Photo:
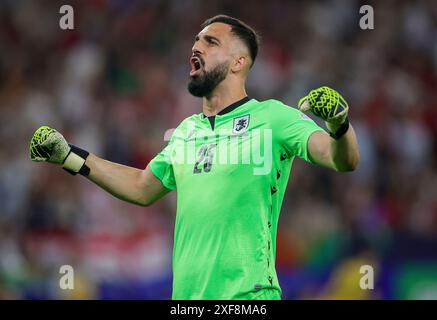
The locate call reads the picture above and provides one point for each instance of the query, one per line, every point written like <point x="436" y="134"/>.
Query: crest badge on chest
<point x="240" y="124"/>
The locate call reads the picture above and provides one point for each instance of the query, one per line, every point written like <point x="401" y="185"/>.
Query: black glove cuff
<point x="341" y="130"/>
<point x="84" y="170"/>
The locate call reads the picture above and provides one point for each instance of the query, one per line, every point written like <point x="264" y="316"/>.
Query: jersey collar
<point x="231" y="107"/>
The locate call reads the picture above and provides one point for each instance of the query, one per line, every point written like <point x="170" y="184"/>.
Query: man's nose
<point x="196" y="49"/>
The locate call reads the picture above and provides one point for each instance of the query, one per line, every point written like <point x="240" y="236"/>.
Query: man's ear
<point x="240" y="64"/>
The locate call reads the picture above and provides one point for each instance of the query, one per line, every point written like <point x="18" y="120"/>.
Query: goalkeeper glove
<point x="49" y="145"/>
<point x="329" y="105"/>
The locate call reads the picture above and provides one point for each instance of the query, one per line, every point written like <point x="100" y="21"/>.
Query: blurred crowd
<point x="117" y="82"/>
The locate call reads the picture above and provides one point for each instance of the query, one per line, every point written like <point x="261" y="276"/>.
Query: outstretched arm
<point x="126" y="183"/>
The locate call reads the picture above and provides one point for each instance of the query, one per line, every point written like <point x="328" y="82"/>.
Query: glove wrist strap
<point x="341" y="130"/>
<point x="74" y="163"/>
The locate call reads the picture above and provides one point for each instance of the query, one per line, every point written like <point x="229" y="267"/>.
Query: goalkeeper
<point x="227" y="212"/>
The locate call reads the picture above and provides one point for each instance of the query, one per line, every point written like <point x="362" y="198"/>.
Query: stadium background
<point x="117" y="82"/>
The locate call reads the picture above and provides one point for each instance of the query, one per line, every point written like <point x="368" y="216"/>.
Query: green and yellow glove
<point x="49" y="145"/>
<point x="330" y="106"/>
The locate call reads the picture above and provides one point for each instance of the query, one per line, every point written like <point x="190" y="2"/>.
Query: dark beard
<point x="205" y="83"/>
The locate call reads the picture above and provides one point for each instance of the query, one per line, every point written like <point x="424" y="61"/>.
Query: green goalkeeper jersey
<point x="230" y="172"/>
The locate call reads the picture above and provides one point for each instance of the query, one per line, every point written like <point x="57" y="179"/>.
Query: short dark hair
<point x="249" y="36"/>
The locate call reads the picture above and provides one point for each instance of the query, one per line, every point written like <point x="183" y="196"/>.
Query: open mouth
<point x="196" y="66"/>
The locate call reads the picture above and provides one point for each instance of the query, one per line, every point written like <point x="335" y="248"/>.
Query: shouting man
<point x="229" y="164"/>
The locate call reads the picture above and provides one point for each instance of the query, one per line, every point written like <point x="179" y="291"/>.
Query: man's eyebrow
<point x="208" y="37"/>
<point x="212" y="38"/>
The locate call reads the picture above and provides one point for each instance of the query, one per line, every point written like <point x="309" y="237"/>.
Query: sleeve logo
<point x="303" y="116"/>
